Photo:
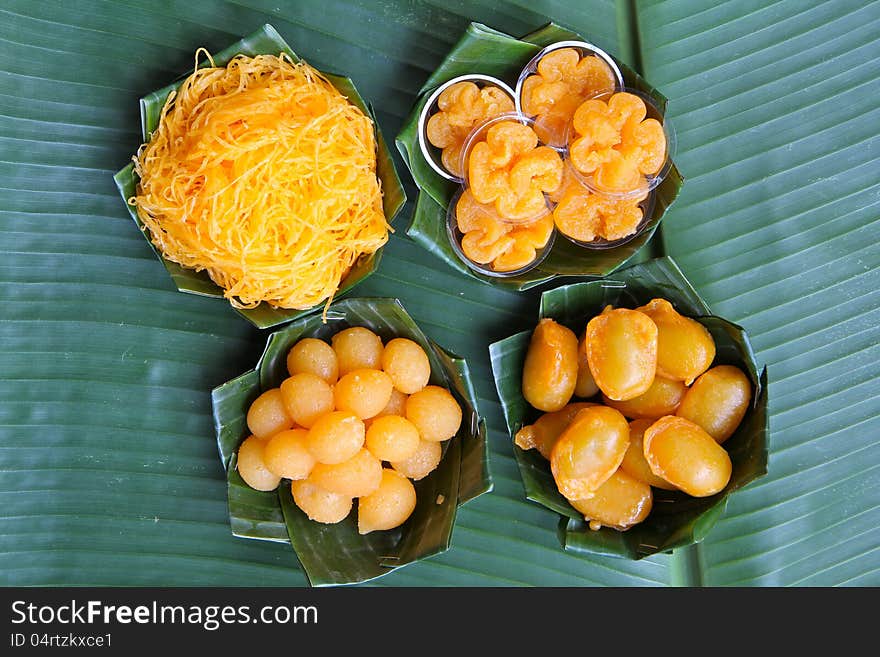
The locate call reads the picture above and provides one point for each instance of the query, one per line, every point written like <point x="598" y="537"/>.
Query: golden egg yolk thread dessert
<point x="262" y="174"/>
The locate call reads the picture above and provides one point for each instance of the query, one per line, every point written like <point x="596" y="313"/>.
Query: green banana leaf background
<point x="108" y="467"/>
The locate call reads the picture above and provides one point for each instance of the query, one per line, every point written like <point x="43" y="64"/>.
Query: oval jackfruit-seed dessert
<point x="545" y="431"/>
<point x="634" y="463"/>
<point x="589" y="451"/>
<point x="621" y="502"/>
<point x="622" y="352"/>
<point x="550" y="371"/>
<point x="680" y="452"/>
<point x="685" y="348"/>
<point x="717" y="401"/>
<point x="661" y="398"/>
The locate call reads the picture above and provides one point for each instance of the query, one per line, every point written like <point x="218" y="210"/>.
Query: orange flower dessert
<point x="462" y="107"/>
<point x="584" y="216"/>
<point x="563" y="81"/>
<point x="501" y="246"/>
<point x="507" y="168"/>
<point x="615" y="144"/>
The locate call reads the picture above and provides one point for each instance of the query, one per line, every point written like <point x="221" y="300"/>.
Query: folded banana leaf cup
<point x="265" y="41"/>
<point x="486" y="51"/>
<point x="676" y="519"/>
<point x="337" y="554"/>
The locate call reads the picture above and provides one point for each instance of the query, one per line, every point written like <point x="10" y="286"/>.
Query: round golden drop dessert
<point x="267" y="414"/>
<point x="287" y="454"/>
<point x="318" y="504"/>
<point x="262" y="174"/>
<point x="434" y="412"/>
<point x="306" y="397"/>
<point x="422" y="462"/>
<point x="407" y="364"/>
<point x="252" y="465"/>
<point x="336" y="437"/>
<point x="461" y="107"/>
<point x="389" y="505"/>
<point x="357" y="348"/>
<point x="363" y="392"/>
<point x="313" y="356"/>
<point x="358" y="476"/>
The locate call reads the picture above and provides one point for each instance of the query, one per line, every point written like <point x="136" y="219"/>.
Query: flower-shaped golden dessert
<point x="463" y="106"/>
<point x="508" y="168"/>
<point x="585" y="216"/>
<point x="615" y="144"/>
<point x="500" y="245"/>
<point x="563" y="81"/>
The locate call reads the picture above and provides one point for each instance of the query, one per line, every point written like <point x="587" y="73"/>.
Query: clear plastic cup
<point x="586" y="50"/>
<point x="431" y="153"/>
<point x="600" y="243"/>
<point x="455" y="237"/>
<point x="647" y="183"/>
<point x="477" y="135"/>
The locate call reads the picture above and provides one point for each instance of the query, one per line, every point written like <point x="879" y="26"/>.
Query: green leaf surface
<point x="338" y="554"/>
<point x="774" y="109"/>
<point x="108" y="461"/>
<point x="676" y="519"/>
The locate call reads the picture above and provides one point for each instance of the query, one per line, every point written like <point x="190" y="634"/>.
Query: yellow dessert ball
<point x="315" y="357"/>
<point x="358" y="476"/>
<point x="318" y="504"/>
<point x="395" y="406"/>
<point x="435" y="413"/>
<point x="252" y="466"/>
<point x="422" y="462"/>
<point x="392" y="438"/>
<point x="287" y="454"/>
<point x="267" y="414"/>
<point x="364" y="392"/>
<point x="389" y="505"/>
<point x="306" y="397"/>
<point x="336" y="437"/>
<point x="357" y="348"/>
<point x="407" y="364"/>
